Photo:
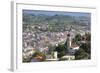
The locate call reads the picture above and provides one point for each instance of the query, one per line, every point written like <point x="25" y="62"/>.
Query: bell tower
<point x="69" y="38"/>
<point x="68" y="41"/>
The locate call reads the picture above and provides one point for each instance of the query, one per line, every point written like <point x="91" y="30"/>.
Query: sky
<point x="36" y="12"/>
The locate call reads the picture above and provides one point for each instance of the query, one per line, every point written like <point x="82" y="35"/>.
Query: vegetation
<point x="81" y="54"/>
<point x="85" y="47"/>
<point x="39" y="56"/>
<point x="61" y="49"/>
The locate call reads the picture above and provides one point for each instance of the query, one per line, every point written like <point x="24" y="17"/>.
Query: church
<point x="72" y="48"/>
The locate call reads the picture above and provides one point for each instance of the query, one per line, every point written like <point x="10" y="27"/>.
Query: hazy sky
<point x="36" y="12"/>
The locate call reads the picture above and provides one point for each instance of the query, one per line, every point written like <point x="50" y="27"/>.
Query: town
<point x="52" y="41"/>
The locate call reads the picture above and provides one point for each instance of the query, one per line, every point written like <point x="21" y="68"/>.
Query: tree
<point x="81" y="54"/>
<point x="61" y="49"/>
<point x="38" y="56"/>
<point x="86" y="47"/>
<point x="88" y="36"/>
<point x="78" y="37"/>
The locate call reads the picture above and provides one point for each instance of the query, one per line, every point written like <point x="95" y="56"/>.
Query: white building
<point x="68" y="57"/>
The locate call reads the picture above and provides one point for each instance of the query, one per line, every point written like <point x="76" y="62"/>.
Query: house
<point x="52" y="57"/>
<point x="73" y="49"/>
<point x="68" y="57"/>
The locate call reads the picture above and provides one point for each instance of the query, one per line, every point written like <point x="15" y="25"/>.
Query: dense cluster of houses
<point x="40" y="40"/>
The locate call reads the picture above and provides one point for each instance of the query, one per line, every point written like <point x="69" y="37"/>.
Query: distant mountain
<point x="57" y="21"/>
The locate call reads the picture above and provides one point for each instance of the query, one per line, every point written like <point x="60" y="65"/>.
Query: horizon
<point x="52" y="13"/>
